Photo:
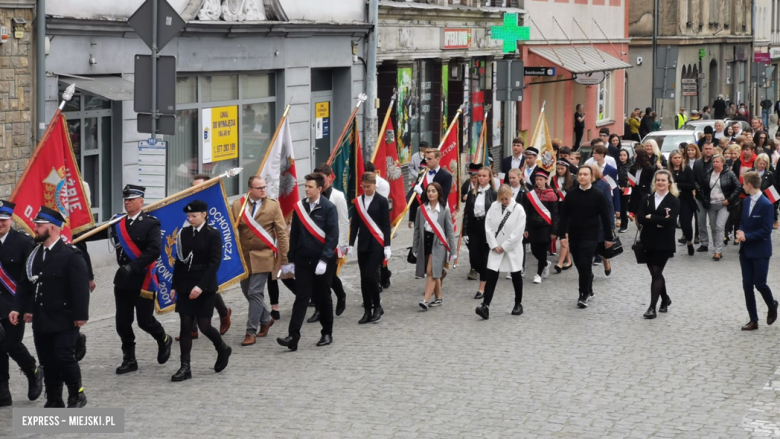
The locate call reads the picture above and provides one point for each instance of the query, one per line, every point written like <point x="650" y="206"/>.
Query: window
<point x="252" y="96"/>
<point x="603" y="100"/>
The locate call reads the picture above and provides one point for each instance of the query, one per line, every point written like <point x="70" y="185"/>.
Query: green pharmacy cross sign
<point x="510" y="33"/>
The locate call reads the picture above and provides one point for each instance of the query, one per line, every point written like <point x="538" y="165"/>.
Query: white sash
<point x="309" y="223"/>
<point x="540" y="209"/>
<point x="257" y="229"/>
<point x="611" y="181"/>
<point x="631" y="179"/>
<point x="437" y="230"/>
<point x="367" y="220"/>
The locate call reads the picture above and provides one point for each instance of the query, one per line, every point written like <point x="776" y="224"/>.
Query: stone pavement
<point x="556" y="371"/>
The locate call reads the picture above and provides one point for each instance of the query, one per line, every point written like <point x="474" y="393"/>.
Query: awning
<point x="569" y="59"/>
<point x="112" y="88"/>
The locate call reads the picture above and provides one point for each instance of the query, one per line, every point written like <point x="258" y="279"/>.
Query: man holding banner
<point x="435" y="174"/>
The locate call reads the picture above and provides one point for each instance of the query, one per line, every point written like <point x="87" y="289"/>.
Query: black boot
<point x="378" y="311"/>
<point x="34" y="381"/>
<point x="483" y="311"/>
<point x="76" y="397"/>
<point x="164" y="349"/>
<point x="314" y="317"/>
<point x="81" y="347"/>
<point x="366" y="315"/>
<point x="184" y="372"/>
<point x="54" y="398"/>
<point x="5" y="395"/>
<point x="223" y="353"/>
<point x="517" y="310"/>
<point x="128" y="360"/>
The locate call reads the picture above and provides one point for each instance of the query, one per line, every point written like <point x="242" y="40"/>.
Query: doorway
<point x="713" y="81"/>
<point x="321" y="115"/>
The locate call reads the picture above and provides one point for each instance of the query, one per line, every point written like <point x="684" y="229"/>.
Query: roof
<point x="571" y="59"/>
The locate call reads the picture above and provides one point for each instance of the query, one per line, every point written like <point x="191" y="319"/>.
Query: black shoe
<point x="665" y="306"/>
<point x="223" y="354"/>
<point x="128" y="361"/>
<point x="582" y="302"/>
<point x="558" y="269"/>
<point x="682" y="241"/>
<point x="5" y="395"/>
<point x="378" y="311"/>
<point x="703" y="249"/>
<point x="314" y="317"/>
<point x="311" y="304"/>
<point x="690" y="249"/>
<point x="366" y="316"/>
<point x="288" y="342"/>
<point x="622" y="230"/>
<point x="650" y="314"/>
<point x="81" y="347"/>
<point x="483" y="311"/>
<point x="184" y="372"/>
<point x="76" y="397"/>
<point x="275" y="315"/>
<point x="325" y="340"/>
<point x="54" y="398"/>
<point x="518" y="309"/>
<point x="341" y="305"/>
<point x="34" y="382"/>
<point x="164" y="349"/>
<point x="478" y="296"/>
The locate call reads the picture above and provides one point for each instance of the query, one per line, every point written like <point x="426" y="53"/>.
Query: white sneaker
<point x="537" y="279"/>
<point x="509" y="276"/>
<point x="424" y="305"/>
<point x="546" y="271"/>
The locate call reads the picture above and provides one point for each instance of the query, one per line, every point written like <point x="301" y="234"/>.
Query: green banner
<point x="347" y="165"/>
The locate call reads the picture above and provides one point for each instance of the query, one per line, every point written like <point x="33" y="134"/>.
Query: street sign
<point x="151" y="168"/>
<point x="592" y="78"/>
<point x="539" y="71"/>
<point x="166" y="84"/>
<point x="689" y="87"/>
<point x="763" y="57"/>
<point x="166" y="124"/>
<point x="510" y="80"/>
<point x="169" y="23"/>
<point x="510" y="33"/>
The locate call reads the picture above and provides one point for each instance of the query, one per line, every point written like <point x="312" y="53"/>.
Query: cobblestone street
<point x="555" y="371"/>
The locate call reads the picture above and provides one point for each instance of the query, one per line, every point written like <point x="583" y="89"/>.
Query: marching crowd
<point x="573" y="210"/>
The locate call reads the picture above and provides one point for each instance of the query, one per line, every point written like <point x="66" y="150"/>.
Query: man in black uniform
<point x="314" y="236"/>
<point x="14" y="249"/>
<point x="54" y="295"/>
<point x="136" y="233"/>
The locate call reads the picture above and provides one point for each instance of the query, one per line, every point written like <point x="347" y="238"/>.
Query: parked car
<point x="670" y="140"/>
<point x="586" y="151"/>
<point x="698" y="125"/>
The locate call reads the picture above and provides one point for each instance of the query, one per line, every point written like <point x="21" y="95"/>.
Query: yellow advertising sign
<point x="322" y="109"/>
<point x="220" y="133"/>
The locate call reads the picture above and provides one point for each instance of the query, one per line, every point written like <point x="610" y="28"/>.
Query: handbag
<point x="615" y="250"/>
<point x="639" y="249"/>
<point x="411" y="258"/>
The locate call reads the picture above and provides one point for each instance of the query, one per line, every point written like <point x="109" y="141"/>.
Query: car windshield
<point x="697" y="126"/>
<point x="670" y="142"/>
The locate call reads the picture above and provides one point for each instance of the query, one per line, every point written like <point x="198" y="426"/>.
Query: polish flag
<point x="631" y="179"/>
<point x="627" y="191"/>
<point x="610" y="181"/>
<point x="279" y="171"/>
<point x="772" y="194"/>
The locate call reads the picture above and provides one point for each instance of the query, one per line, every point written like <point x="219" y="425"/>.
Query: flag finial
<point x="67" y="95"/>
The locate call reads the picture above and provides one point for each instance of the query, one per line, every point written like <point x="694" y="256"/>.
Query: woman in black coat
<point x="194" y="285"/>
<point x="686" y="184"/>
<point x="657" y="215"/>
<point x="477" y="205"/>
<point x="624" y="166"/>
<point x="642" y="175"/>
<point x="540" y="230"/>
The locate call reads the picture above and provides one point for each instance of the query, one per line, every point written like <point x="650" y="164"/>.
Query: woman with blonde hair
<point x="763" y="166"/>
<point x="719" y="128"/>
<point x="504" y="229"/>
<point x="654" y="154"/>
<point x="477" y="204"/>
<point x="721" y="189"/>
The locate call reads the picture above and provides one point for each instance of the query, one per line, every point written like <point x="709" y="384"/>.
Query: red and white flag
<point x="772" y="194"/>
<point x="449" y="160"/>
<point x="52" y="179"/>
<point x="279" y="171"/>
<point x="389" y="168"/>
<point x="631" y="179"/>
<point x="610" y="181"/>
<point x="626" y="191"/>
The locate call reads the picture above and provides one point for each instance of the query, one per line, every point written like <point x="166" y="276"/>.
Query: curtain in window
<point x="182" y="158"/>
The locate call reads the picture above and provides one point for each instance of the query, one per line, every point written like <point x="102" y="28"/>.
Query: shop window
<point x="257" y="86"/>
<point x="186" y="90"/>
<point x="219" y="88"/>
<point x="182" y="160"/>
<point x="604" y="100"/>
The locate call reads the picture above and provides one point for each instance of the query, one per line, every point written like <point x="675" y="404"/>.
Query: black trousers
<point x="57" y="353"/>
<point x="578" y="133"/>
<point x="624" y="211"/>
<point x="539" y="250"/>
<point x="492" y="280"/>
<point x="582" y="253"/>
<point x="309" y="286"/>
<point x="273" y="288"/>
<point x="128" y="301"/>
<point x="686" y="220"/>
<point x="336" y="285"/>
<point x="369" y="263"/>
<point x="13" y="347"/>
<point x="478" y="248"/>
<point x="754" y="274"/>
<point x="219" y="305"/>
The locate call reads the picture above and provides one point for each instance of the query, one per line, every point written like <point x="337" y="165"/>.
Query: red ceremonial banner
<point x="388" y="167"/>
<point x="52" y="179"/>
<point x="449" y="161"/>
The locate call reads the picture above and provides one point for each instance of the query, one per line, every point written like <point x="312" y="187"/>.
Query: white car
<point x="698" y="125"/>
<point x="670" y="140"/>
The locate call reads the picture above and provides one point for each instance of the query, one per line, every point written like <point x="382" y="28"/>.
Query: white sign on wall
<point x="151" y="169"/>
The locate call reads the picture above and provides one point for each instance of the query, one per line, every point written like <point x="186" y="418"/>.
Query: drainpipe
<point x="370" y="108"/>
<point x="40" y="69"/>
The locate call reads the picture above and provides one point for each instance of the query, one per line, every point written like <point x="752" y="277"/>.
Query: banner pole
<point x="379" y="137"/>
<point x="360" y="99"/>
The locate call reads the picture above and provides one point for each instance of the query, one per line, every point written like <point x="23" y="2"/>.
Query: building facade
<point x="232" y="64"/>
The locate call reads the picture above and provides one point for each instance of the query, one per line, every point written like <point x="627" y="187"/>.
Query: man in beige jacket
<point x="264" y="240"/>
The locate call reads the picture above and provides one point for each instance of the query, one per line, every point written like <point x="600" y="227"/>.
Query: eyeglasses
<point x="259" y="188"/>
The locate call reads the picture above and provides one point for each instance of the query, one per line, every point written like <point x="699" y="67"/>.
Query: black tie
<point x="45" y="252"/>
<point x="254" y="206"/>
<point x="194" y="232"/>
<point x="479" y="192"/>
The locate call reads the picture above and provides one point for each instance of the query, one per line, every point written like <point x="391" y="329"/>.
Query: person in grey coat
<point x="434" y="242"/>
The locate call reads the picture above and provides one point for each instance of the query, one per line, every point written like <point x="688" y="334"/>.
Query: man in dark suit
<point x="646" y="124"/>
<point x="516" y="160"/>
<point x="15" y="247"/>
<point x="755" y="237"/>
<point x="314" y="235"/>
<point x="54" y="296"/>
<point x="144" y="232"/>
<point x="435" y="174"/>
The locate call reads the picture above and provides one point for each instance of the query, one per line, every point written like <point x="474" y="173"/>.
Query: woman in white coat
<point x="504" y="227"/>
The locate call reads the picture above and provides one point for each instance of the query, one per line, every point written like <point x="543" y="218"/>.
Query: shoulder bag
<point x="639" y="248"/>
<point x="615" y="250"/>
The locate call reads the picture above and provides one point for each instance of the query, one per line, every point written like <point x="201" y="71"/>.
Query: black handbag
<point x="411" y="258"/>
<point x="615" y="250"/>
<point x="639" y="249"/>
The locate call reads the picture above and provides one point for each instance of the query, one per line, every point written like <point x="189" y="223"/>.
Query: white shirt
<point x="132" y="218"/>
<point x="383" y="187"/>
<point x="517" y="162"/>
<point x="479" y="203"/>
<point x="2" y="240"/>
<point x="43" y="257"/>
<point x="753" y="201"/>
<point x="515" y="191"/>
<point x="659" y="198"/>
<point x="313" y="204"/>
<point x="608" y="160"/>
<point x="429" y="177"/>
<point x="433" y="214"/>
<point x="529" y="172"/>
<point x="197" y="229"/>
<point x="716" y="193"/>
<point x="691" y="163"/>
<point x="367" y="199"/>
<point x="258" y="204"/>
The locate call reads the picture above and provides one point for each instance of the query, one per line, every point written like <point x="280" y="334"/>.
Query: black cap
<point x="196" y="206"/>
<point x="50" y="216"/>
<point x="563" y="162"/>
<point x="132" y="191"/>
<point x="532" y="150"/>
<point x="540" y="172"/>
<point x="6" y="209"/>
<point x="474" y="168"/>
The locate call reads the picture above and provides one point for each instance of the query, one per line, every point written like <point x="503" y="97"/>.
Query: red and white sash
<point x="7" y="281"/>
<point x="558" y="189"/>
<point x="437" y="230"/>
<point x="257" y="229"/>
<point x="309" y="223"/>
<point x="631" y="179"/>
<point x="539" y="207"/>
<point x="368" y="221"/>
<point x="610" y="181"/>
